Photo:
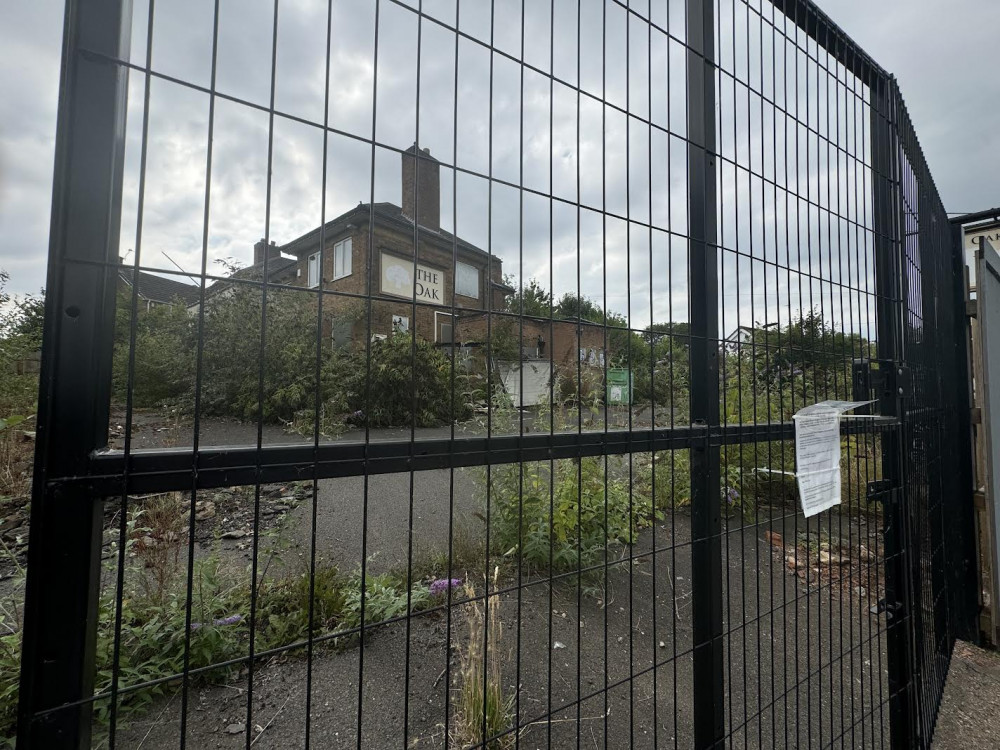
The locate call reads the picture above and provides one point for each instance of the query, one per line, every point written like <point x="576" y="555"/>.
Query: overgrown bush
<point x="232" y="359"/>
<point x="579" y="387"/>
<point x="154" y="614"/>
<point x="163" y="365"/>
<point x="564" y="521"/>
<point x="666" y="477"/>
<point x="409" y="381"/>
<point x="21" y="321"/>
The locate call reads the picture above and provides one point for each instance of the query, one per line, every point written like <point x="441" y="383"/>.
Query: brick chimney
<point x="422" y="187"/>
<point x="258" y="251"/>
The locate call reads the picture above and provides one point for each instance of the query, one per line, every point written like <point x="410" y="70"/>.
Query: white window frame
<point x="342" y="253"/>
<point x="462" y="292"/>
<point x="313" y="270"/>
<point x="400" y="324"/>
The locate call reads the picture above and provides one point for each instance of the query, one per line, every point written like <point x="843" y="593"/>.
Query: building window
<point x="443" y="327"/>
<point x="466" y="280"/>
<point x="342" y="259"/>
<point x="400" y="324"/>
<point x="313" y="267"/>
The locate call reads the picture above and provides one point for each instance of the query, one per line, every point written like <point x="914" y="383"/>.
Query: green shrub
<point x="283" y="607"/>
<point x="232" y="358"/>
<point x="20" y="340"/>
<point x="153" y="636"/>
<point x="671" y="487"/>
<point x="164" y="362"/>
<point x="586" y="513"/>
<point x="385" y="599"/>
<point x="410" y="381"/>
<point x="10" y="654"/>
<point x="154" y="612"/>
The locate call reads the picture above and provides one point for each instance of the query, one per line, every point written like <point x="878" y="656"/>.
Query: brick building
<point x="451" y="293"/>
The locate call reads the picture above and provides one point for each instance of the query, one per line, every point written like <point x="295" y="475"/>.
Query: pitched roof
<point x="386" y="214"/>
<point x="160" y="288"/>
<point x="277" y="270"/>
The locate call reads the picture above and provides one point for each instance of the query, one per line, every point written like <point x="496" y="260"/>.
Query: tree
<point x="163" y="365"/>
<point x="21" y="321"/>
<point x="532" y="300"/>
<point x="234" y="358"/>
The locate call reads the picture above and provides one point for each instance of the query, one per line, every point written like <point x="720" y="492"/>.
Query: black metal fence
<point x="491" y="445"/>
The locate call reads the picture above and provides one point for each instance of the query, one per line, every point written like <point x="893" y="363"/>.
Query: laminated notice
<point x="817" y="454"/>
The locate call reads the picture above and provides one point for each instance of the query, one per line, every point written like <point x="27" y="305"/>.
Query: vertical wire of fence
<point x="421" y="374"/>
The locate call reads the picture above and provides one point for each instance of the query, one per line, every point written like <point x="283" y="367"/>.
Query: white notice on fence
<point x="817" y="454"/>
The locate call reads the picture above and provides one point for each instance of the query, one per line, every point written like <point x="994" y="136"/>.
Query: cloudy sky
<point x="631" y="166"/>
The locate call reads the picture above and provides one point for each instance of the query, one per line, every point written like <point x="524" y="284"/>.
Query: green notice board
<point x="619" y="386"/>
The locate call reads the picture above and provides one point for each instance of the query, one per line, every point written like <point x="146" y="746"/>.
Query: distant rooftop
<point x="160" y="289"/>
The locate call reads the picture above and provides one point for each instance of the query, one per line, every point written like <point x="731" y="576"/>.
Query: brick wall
<point x="436" y="252"/>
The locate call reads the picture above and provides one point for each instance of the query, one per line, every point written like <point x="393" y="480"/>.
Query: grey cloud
<point x="622" y="166"/>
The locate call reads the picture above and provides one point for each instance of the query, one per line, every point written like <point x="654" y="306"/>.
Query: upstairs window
<point x="466" y="280"/>
<point x="342" y="259"/>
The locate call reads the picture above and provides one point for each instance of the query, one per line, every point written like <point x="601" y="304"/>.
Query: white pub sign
<point x="397" y="279"/>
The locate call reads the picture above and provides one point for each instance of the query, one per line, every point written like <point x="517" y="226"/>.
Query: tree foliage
<point x="20" y="341"/>
<point x="407" y="380"/>
<point x="162" y="368"/>
<point x="531" y="300"/>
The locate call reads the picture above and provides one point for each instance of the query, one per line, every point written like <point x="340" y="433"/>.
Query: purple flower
<point x="441" y="585"/>
<point x="732" y="495"/>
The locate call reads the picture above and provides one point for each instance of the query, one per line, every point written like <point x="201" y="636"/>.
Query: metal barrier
<point x="378" y="489"/>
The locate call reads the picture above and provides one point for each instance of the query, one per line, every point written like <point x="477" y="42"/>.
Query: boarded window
<point x="466" y="280"/>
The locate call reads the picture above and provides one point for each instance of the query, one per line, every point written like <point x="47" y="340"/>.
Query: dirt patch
<point x="823" y="557"/>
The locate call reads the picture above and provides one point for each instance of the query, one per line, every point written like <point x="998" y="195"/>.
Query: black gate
<point x="492" y="443"/>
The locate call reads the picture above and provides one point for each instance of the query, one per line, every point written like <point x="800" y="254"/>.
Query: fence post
<point x="963" y="569"/>
<point x="706" y="518"/>
<point x="61" y="600"/>
<point x="889" y="238"/>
